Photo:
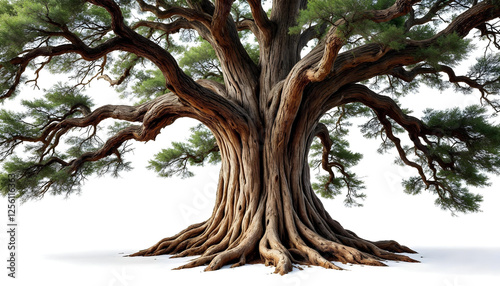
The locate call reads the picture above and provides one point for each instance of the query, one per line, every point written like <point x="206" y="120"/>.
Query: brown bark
<point x="264" y="118"/>
<point x="270" y="215"/>
<point x="266" y="209"/>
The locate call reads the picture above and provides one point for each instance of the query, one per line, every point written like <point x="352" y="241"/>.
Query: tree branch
<point x="220" y="19"/>
<point x="204" y="100"/>
<point x="248" y="24"/>
<point x="186" y="13"/>
<point x="154" y="116"/>
<point x="336" y="38"/>
<point x="412" y="21"/>
<point x="472" y="18"/>
<point x="311" y="69"/>
<point x="491" y="32"/>
<point x="313" y="32"/>
<point x="123" y="76"/>
<point x="410" y="75"/>
<point x="324" y="135"/>
<point x="87" y="53"/>
<point x="370" y="60"/>
<point x="170" y="28"/>
<point x="437" y="159"/>
<point x="331" y="185"/>
<point x="263" y="23"/>
<point x="58" y="127"/>
<point x="398" y="9"/>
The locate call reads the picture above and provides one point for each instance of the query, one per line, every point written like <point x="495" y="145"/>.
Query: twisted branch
<point x="261" y="20"/>
<point x="385" y="108"/>
<point x="410" y="75"/>
<point x="336" y="39"/>
<point x="186" y="13"/>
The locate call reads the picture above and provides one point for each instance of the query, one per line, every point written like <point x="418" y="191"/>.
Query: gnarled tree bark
<point x="266" y="209"/>
<point x="264" y="118"/>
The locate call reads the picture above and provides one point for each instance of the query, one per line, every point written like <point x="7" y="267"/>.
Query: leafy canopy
<point x="36" y="170"/>
<point x="462" y="147"/>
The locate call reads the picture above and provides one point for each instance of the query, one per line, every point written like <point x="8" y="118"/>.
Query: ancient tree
<point x="273" y="86"/>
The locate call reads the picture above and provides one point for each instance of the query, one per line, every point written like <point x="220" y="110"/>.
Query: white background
<point x="82" y="240"/>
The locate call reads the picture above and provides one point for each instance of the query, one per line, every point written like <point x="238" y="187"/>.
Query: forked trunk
<point x="266" y="211"/>
<point x="264" y="115"/>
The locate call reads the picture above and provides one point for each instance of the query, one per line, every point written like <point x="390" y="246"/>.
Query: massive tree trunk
<point x="264" y="117"/>
<point x="266" y="210"/>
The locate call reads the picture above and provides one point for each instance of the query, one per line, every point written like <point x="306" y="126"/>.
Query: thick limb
<point x="262" y="22"/>
<point x="439" y="151"/>
<point x="63" y="170"/>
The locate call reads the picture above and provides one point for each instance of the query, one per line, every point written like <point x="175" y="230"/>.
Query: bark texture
<point x="264" y="117"/>
<point x="266" y="209"/>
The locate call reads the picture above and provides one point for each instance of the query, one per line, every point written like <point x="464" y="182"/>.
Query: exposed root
<point x="378" y="252"/>
<point x="393" y="246"/>
<point x="314" y="258"/>
<point x="309" y="248"/>
<point x="196" y="262"/>
<point x="281" y="246"/>
<point x="274" y="254"/>
<point x="222" y="259"/>
<point x="218" y="260"/>
<point x="242" y="262"/>
<point x="167" y="245"/>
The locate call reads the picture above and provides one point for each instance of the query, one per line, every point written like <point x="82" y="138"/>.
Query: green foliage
<point x="34" y="178"/>
<point x="25" y="25"/>
<point x="253" y="51"/>
<point x="479" y="146"/>
<point x="58" y="103"/>
<point x="340" y="159"/>
<point x="448" y="50"/>
<point x="21" y="21"/>
<point x="38" y="168"/>
<point x="11" y="125"/>
<point x="200" y="62"/>
<point x="328" y="11"/>
<point x="467" y="148"/>
<point x="28" y="23"/>
<point x="486" y="71"/>
<point x="59" y="100"/>
<point x="149" y="84"/>
<point x="201" y="148"/>
<point x="319" y="12"/>
<point x="421" y="32"/>
<point x="390" y="35"/>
